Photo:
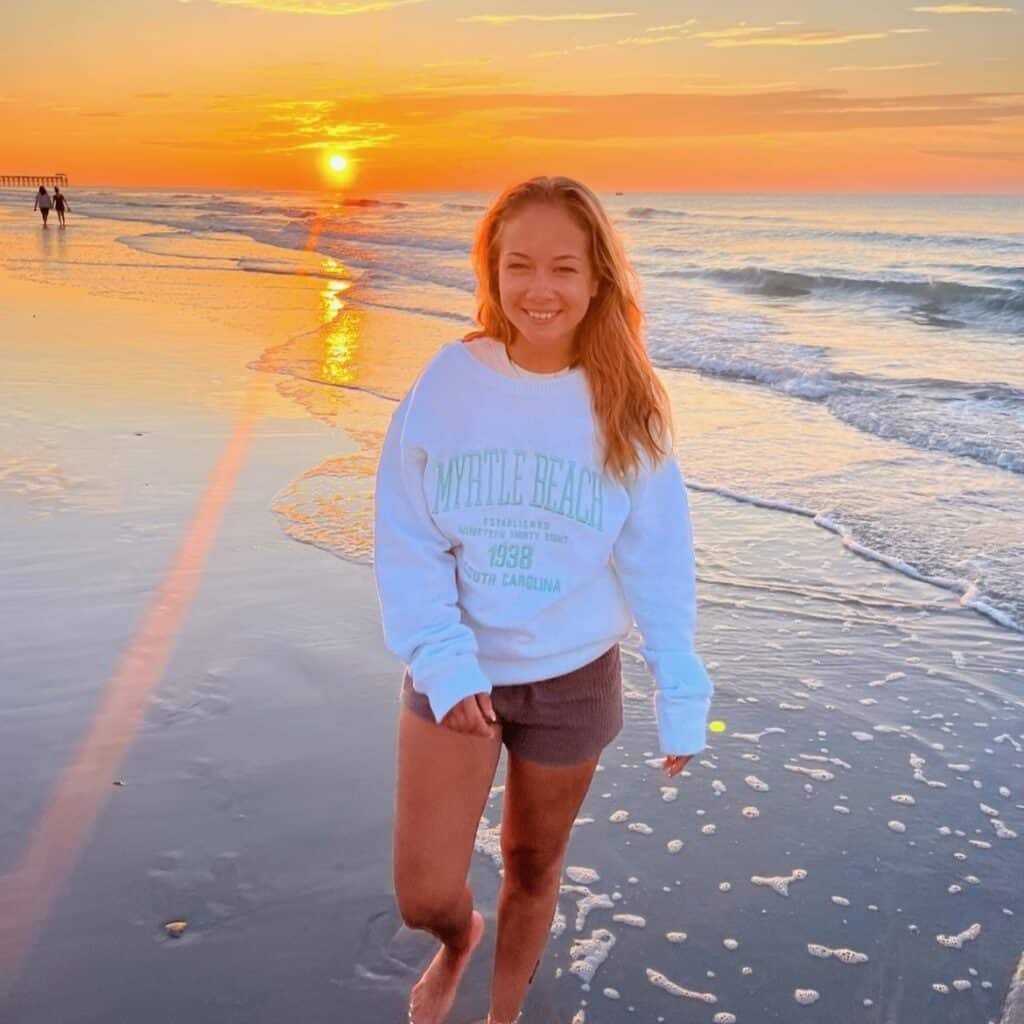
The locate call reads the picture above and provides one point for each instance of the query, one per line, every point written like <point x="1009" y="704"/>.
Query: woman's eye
<point x="567" y="270"/>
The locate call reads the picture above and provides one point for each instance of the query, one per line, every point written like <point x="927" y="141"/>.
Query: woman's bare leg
<point x="541" y="803"/>
<point x="444" y="779"/>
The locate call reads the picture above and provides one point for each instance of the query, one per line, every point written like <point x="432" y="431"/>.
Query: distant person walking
<point x="43" y="203"/>
<point x="60" y="203"/>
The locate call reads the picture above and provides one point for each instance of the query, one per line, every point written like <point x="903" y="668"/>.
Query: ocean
<point x="868" y="351"/>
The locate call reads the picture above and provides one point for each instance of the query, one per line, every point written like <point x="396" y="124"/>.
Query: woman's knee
<point x="433" y="911"/>
<point x="533" y="870"/>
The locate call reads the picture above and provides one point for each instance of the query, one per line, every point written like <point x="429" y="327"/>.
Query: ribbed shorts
<point x="563" y="720"/>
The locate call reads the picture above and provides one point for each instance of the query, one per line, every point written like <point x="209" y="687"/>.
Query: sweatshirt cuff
<point x="681" y="703"/>
<point x="446" y="684"/>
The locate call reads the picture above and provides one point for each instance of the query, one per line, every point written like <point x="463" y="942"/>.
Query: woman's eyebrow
<point x="565" y="256"/>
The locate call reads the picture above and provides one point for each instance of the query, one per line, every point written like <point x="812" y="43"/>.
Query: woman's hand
<point x="675" y="763"/>
<point x="473" y="715"/>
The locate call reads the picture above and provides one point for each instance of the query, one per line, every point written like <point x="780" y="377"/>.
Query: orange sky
<point x="432" y="94"/>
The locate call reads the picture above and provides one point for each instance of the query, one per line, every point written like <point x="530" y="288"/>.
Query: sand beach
<point x="197" y="715"/>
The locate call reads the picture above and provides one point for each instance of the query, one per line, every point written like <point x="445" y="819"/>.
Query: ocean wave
<point x="969" y="594"/>
<point x="440" y="314"/>
<point x="795" y="227"/>
<point x="990" y="432"/>
<point x="649" y="212"/>
<point x="939" y="303"/>
<point x="464" y="207"/>
<point x="375" y="202"/>
<point x="980" y="421"/>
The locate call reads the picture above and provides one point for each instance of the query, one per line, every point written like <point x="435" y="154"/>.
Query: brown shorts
<point x="564" y="720"/>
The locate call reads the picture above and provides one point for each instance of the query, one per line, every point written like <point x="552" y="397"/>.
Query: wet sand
<point x="256" y="796"/>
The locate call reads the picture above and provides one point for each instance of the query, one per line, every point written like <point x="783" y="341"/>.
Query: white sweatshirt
<point x="503" y="554"/>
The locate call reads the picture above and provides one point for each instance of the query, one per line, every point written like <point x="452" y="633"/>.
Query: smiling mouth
<point x="541" y="317"/>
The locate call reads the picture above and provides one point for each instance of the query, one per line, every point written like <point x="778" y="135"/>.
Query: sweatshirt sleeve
<point x="655" y="562"/>
<point x="415" y="571"/>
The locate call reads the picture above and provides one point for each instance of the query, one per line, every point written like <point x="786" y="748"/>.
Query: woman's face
<point x="545" y="277"/>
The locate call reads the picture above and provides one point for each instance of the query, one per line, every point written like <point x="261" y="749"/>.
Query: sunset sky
<point x="789" y="95"/>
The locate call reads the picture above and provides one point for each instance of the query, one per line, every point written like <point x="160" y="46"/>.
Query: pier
<point x="32" y="180"/>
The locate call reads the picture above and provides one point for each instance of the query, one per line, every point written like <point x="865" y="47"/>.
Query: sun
<point x="337" y="164"/>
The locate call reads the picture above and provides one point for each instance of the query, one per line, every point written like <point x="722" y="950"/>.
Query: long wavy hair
<point x="630" y="404"/>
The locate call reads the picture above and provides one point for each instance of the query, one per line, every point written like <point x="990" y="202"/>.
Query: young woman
<point x="60" y="204"/>
<point x="42" y="203"/>
<point x="528" y="509"/>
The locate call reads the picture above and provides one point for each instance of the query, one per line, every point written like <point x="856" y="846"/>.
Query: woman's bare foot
<point x="433" y="995"/>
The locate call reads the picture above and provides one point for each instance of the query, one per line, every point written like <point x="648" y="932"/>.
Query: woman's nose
<point x="541" y="283"/>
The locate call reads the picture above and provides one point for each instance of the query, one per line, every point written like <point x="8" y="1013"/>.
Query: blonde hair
<point x="629" y="402"/>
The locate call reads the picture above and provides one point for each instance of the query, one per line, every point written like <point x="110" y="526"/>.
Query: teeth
<point x="541" y="316"/>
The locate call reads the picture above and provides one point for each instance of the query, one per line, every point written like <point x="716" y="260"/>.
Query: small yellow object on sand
<point x="175" y="928"/>
<point x="717" y="726"/>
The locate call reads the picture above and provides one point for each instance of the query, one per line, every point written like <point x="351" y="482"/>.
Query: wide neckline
<point x="477" y="345"/>
<point x="534" y="384"/>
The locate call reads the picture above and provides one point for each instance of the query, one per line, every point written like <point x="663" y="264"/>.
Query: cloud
<point x="885" y="67"/>
<point x="672" y="28"/>
<point x="414" y="122"/>
<point x="1012" y="155"/>
<point x="475" y="62"/>
<point x="328" y="7"/>
<point x="732" y="33"/>
<point x="507" y="19"/>
<point x="963" y="9"/>
<point x="763" y="35"/>
<point x="701" y="112"/>
<point x="646" y="40"/>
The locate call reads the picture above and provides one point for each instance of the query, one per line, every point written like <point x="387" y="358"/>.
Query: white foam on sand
<point x="806" y="996"/>
<point x="591" y="901"/>
<point x="818" y="774"/>
<point x="957" y="941"/>
<point x="755" y="737"/>
<point x="588" y="954"/>
<point x="488" y="842"/>
<point x="659" y="979"/>
<point x="780" y="883"/>
<point x="641" y="827"/>
<point x="633" y="920"/>
<point x="846" y="956"/>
